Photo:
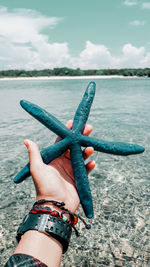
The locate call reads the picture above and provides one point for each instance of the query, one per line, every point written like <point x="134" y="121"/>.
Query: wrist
<point x="47" y="203"/>
<point x="39" y="245"/>
<point x="51" y="206"/>
<point x="50" y="225"/>
<point x="71" y="218"/>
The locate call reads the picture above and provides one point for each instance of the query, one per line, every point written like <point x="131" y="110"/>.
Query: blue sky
<point x="37" y="34"/>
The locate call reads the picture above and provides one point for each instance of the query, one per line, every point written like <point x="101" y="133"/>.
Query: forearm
<point x="43" y="247"/>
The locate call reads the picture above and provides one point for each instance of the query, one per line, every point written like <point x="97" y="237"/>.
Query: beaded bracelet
<point x="47" y="210"/>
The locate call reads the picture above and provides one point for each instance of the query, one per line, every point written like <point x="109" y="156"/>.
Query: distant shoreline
<point x="69" y="77"/>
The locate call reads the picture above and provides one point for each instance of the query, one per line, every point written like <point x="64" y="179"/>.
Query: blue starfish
<point x="73" y="140"/>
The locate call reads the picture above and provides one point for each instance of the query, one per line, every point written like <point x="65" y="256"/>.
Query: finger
<point x="58" y="139"/>
<point x="34" y="155"/>
<point x="87" y="129"/>
<point x="88" y="151"/>
<point x="67" y="154"/>
<point x="90" y="166"/>
<point x="69" y="124"/>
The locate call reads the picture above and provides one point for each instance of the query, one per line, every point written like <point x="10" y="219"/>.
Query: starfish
<point x="73" y="139"/>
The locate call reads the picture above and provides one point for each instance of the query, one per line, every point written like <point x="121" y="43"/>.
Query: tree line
<point x="74" y="72"/>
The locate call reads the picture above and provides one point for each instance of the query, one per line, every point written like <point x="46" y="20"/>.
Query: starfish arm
<point x="83" y="109"/>
<point x="48" y="154"/>
<point x="23" y="174"/>
<point x="81" y="180"/>
<point x="116" y="148"/>
<point x="45" y="118"/>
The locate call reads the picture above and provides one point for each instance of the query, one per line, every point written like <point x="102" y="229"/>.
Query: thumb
<point x="34" y="155"/>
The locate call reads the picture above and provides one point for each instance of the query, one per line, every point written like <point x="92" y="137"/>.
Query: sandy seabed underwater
<point x="120" y="185"/>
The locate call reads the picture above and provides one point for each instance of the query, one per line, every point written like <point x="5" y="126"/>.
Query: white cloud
<point x="137" y="23"/>
<point x="98" y="57"/>
<point x="130" y="3"/>
<point x="133" y="57"/>
<point x="23" y="25"/>
<point x="24" y="46"/>
<point x="94" y="56"/>
<point x="146" y="5"/>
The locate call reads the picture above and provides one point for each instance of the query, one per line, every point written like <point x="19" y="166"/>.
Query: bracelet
<point x="73" y="216"/>
<point x="45" y="223"/>
<point x="47" y="210"/>
<point x="51" y="222"/>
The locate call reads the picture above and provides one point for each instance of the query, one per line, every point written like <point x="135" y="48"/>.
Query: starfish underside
<point x="74" y="140"/>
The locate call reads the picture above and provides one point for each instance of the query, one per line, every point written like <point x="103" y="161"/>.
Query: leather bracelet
<point x="52" y="226"/>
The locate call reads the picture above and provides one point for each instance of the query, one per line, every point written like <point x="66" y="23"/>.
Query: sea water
<point x="120" y="185"/>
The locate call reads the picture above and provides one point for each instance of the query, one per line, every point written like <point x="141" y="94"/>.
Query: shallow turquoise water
<point x="120" y="185"/>
<point x="120" y="112"/>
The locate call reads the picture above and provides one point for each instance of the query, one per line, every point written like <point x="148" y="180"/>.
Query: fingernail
<point x="27" y="143"/>
<point x="93" y="163"/>
<point x="90" y="147"/>
<point x="89" y="126"/>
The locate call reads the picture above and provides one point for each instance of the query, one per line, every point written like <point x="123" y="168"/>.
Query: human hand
<point x="55" y="181"/>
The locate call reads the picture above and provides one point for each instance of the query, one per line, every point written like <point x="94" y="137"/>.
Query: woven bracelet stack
<point x="56" y="224"/>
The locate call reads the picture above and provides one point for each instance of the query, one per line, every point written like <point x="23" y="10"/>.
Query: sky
<point x="86" y="34"/>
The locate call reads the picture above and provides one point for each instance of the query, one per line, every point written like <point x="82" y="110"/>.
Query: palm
<point x="55" y="181"/>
